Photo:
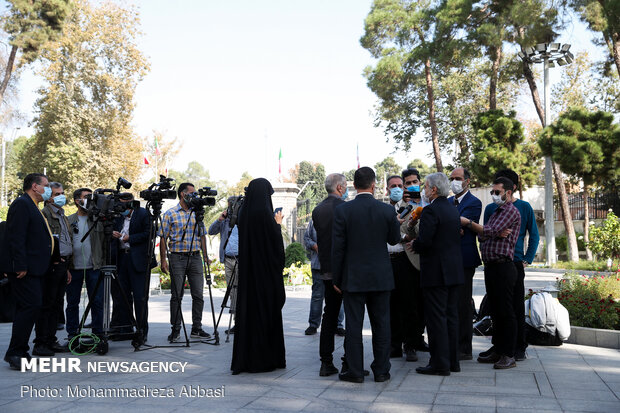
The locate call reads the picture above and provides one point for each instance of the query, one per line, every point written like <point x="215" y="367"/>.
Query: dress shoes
<point x="411" y="355"/>
<point x="59" y="348"/>
<point x="487" y="352"/>
<point x="505" y="362"/>
<point x="341" y="332"/>
<point x="42" y="350"/>
<point x="455" y="369"/>
<point x="60" y="326"/>
<point x="465" y="356"/>
<point x="432" y="371"/>
<point x="520" y="355"/>
<point x="345" y="368"/>
<point x="490" y="359"/>
<point x="310" y="331"/>
<point x="15" y="362"/>
<point x="423" y="347"/>
<point x="327" y="369"/>
<point x="382" y="377"/>
<point x="350" y="378"/>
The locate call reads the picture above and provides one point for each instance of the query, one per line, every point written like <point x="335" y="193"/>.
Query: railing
<point x="599" y="203"/>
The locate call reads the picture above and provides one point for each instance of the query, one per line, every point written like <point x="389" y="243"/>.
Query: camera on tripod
<point x="234" y="206"/>
<point x="204" y="196"/>
<point x="105" y="204"/>
<point x="158" y="191"/>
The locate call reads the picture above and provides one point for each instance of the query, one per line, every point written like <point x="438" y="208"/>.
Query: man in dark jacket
<point x="363" y="272"/>
<point x="131" y="241"/>
<point x="323" y="218"/>
<point x="26" y="252"/>
<point x="439" y="246"/>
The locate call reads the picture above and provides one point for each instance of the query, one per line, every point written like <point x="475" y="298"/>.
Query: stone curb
<point x="595" y="337"/>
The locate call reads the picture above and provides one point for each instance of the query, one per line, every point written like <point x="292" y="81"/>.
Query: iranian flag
<point x="280" y="162"/>
<point x="157" y="152"/>
<point x="146" y="161"/>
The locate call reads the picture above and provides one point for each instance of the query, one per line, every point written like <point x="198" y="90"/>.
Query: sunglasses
<point x="495" y="192"/>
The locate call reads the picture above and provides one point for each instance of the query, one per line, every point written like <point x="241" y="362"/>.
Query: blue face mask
<point x="345" y="195"/>
<point x="125" y="212"/>
<point x="414" y="188"/>
<point x="47" y="193"/>
<point x="396" y="194"/>
<point x="60" y="200"/>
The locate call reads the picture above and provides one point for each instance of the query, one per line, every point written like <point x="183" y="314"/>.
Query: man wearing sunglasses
<point x="498" y="238"/>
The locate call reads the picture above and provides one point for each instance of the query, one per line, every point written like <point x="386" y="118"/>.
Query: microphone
<point x="416" y="214"/>
<point x="405" y="211"/>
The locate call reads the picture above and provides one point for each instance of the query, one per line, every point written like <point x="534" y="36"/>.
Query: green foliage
<point x="583" y="265"/>
<point x="32" y="24"/>
<point x="584" y="144"/>
<point x="294" y="254"/>
<point x="3" y="212"/>
<point x="296" y="273"/>
<point x="561" y="243"/>
<point x="422" y="167"/>
<point x="218" y="276"/>
<point x="605" y="239"/>
<point x="83" y="128"/>
<point x="498" y="143"/>
<point x="591" y="301"/>
<point x="314" y="192"/>
<point x="386" y="168"/>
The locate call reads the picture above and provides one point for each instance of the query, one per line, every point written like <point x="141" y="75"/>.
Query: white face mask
<point x="456" y="186"/>
<point x="425" y="199"/>
<point x="497" y="199"/>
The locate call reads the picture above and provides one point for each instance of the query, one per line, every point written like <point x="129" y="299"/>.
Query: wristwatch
<point x="469" y="224"/>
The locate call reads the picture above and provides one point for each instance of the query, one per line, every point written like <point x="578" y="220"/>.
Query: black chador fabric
<point x="259" y="337"/>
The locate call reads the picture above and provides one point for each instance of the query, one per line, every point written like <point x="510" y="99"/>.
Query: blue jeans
<point x="316" y="302"/>
<point x="74" y="291"/>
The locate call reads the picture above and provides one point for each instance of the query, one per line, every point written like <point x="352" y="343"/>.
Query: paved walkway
<point x="566" y="378"/>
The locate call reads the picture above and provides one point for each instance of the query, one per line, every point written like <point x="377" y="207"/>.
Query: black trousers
<point x="404" y="323"/>
<point x="378" y="305"/>
<point x="519" y="303"/>
<point x="333" y="301"/>
<point x="466" y="312"/>
<point x="132" y="283"/>
<point x="28" y="293"/>
<point x="500" y="280"/>
<point x="54" y="287"/>
<point x="441" y="311"/>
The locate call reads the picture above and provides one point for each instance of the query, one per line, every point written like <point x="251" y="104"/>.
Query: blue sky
<point x="236" y="81"/>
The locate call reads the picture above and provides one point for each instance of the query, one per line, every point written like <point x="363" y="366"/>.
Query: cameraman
<point x="131" y="241"/>
<point x="229" y="251"/>
<point x="87" y="260"/>
<point x="57" y="277"/>
<point x="176" y="228"/>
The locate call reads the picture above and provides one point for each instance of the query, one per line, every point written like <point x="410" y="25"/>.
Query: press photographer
<point x="184" y="232"/>
<point x="130" y="242"/>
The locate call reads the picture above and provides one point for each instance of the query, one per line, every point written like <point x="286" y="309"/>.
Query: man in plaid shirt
<point x="177" y="226"/>
<point x="497" y="240"/>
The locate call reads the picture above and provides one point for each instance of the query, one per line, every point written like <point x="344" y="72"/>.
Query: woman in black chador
<point x="259" y="338"/>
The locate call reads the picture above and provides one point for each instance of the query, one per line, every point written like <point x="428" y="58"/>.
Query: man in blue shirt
<point x="229" y="253"/>
<point x="521" y="259"/>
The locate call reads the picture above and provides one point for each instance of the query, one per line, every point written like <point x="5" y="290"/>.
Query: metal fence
<point x="599" y="203"/>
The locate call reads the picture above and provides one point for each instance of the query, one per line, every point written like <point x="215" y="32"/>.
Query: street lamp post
<point x="548" y="54"/>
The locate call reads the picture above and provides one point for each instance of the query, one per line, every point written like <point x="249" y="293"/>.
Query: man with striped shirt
<point x="497" y="244"/>
<point x="186" y="241"/>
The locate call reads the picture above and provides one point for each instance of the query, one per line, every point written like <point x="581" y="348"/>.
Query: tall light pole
<point x="3" y="195"/>
<point x="548" y="54"/>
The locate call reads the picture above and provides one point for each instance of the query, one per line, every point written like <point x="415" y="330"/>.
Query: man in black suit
<point x="439" y="246"/>
<point x="362" y="271"/>
<point x="323" y="218"/>
<point x="26" y="253"/>
<point x="131" y="239"/>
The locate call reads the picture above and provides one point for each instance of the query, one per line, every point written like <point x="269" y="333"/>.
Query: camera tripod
<point x="230" y="287"/>
<point x="107" y="273"/>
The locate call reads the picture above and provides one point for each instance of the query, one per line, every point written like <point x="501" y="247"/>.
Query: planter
<point x="595" y="337"/>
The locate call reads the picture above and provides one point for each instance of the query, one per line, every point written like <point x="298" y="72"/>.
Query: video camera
<point x="105" y="204"/>
<point x="234" y="206"/>
<point x="158" y="191"/>
<point x="205" y="196"/>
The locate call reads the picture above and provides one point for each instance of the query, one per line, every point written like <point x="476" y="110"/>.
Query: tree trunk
<point x="586" y="220"/>
<point x="559" y="180"/>
<point x="431" y="115"/>
<point x="615" y="39"/>
<point x="497" y="52"/>
<point x="7" y="73"/>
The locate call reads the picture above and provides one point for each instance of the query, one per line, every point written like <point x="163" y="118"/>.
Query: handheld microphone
<point x="405" y="211"/>
<point x="416" y="214"/>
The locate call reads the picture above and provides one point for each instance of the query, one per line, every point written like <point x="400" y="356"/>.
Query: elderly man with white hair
<point x="441" y="274"/>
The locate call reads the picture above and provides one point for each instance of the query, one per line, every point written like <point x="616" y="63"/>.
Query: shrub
<point x="591" y="301"/>
<point x="605" y="239"/>
<point x="583" y="265"/>
<point x="294" y="271"/>
<point x="218" y="276"/>
<point x="294" y="254"/>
